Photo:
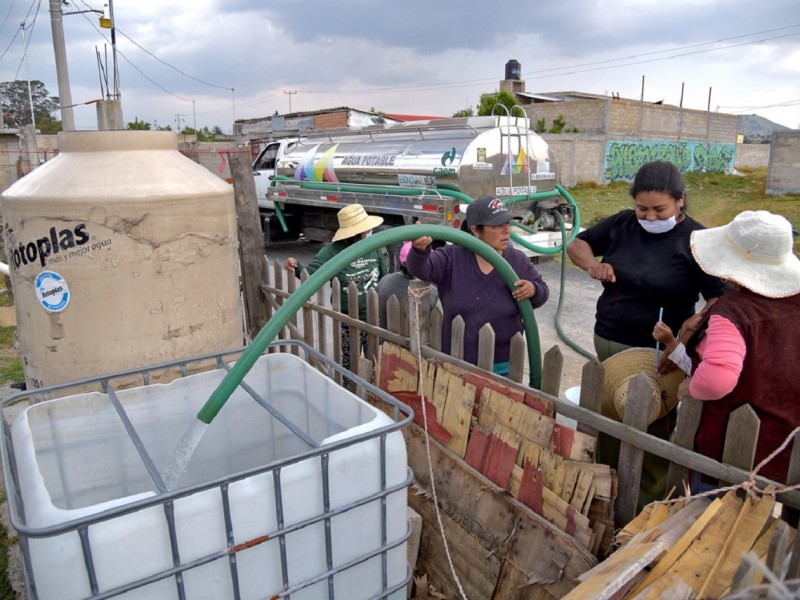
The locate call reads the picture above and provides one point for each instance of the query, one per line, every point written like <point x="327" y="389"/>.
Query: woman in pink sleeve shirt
<point x="747" y="349"/>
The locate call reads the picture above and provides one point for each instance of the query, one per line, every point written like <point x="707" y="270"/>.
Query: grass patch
<point x="713" y="199"/>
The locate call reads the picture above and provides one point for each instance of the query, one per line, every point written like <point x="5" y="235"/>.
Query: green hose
<point x="561" y="334"/>
<point x="329" y="270"/>
<point x="416" y="192"/>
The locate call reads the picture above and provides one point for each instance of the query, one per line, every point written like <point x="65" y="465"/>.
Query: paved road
<point x="577" y="314"/>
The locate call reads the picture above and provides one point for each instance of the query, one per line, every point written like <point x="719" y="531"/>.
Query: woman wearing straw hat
<point x="748" y="348"/>
<point x="354" y="225"/>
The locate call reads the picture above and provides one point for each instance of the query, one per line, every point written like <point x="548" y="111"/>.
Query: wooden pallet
<point x="514" y="488"/>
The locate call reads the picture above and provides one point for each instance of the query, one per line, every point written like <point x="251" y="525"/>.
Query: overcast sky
<point x="180" y="59"/>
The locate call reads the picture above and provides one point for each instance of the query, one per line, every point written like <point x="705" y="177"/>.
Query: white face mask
<point x="659" y="225"/>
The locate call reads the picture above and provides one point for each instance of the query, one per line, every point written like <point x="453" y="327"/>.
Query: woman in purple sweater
<point x="469" y="286"/>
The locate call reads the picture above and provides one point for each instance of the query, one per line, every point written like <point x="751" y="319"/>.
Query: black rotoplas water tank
<point x="513" y="69"/>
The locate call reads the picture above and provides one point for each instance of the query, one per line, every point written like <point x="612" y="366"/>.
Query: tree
<point x="17" y="104"/>
<point x="488" y="102"/>
<point x="464" y="112"/>
<point x="558" y="124"/>
<point x="217" y="130"/>
<point x="203" y="135"/>
<point x="139" y="125"/>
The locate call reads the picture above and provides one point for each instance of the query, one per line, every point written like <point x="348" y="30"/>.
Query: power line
<point x="169" y="65"/>
<point x="736" y="37"/>
<point x="8" y="14"/>
<point x="120" y="53"/>
<point x="577" y="68"/>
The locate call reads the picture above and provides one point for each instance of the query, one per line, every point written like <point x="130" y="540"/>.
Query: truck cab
<point x="264" y="168"/>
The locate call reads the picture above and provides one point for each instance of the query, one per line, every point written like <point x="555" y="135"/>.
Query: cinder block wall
<point x="752" y="155"/>
<point x="579" y="156"/>
<point x="629" y="117"/>
<point x="214" y="156"/>
<point x="588" y="116"/>
<point x="783" y="175"/>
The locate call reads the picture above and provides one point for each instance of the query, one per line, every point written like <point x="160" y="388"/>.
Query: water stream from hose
<point x="191" y="439"/>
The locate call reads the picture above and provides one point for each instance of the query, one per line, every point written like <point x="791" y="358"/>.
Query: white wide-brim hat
<point x="353" y="219"/>
<point x="755" y="251"/>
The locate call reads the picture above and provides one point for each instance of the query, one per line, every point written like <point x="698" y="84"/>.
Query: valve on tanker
<point x="545" y="211"/>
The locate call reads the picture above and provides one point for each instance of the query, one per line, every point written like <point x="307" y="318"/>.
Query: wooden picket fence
<point x="320" y="320"/>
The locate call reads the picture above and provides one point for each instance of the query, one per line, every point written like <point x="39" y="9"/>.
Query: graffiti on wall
<point x="623" y="159"/>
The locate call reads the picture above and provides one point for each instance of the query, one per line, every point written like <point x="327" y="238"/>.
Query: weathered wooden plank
<point x="515" y="584"/>
<point x="617" y="573"/>
<point x="440" y="386"/>
<point x="552" y="366"/>
<point x="497" y="520"/>
<point x="336" y="305"/>
<point x="492" y="408"/>
<point x="792" y="477"/>
<point x="552" y="465"/>
<point x="592" y="378"/>
<point x="477" y="448"/>
<point x="322" y="337"/>
<point x="749" y="523"/>
<point x="701" y="554"/>
<point x="530" y="424"/>
<point x="393" y="314"/>
<point x="573" y="444"/>
<point x="689" y="413"/>
<point x="745" y="575"/>
<point x="518" y="353"/>
<point x="741" y="438"/>
<point x="778" y="547"/>
<point x="688" y="523"/>
<point x="477" y="570"/>
<point x="457" y="415"/>
<point x="251" y="243"/>
<point x="457" y="338"/>
<point x="669" y="587"/>
<point x="629" y="470"/>
<point x="486" y="341"/>
<point x="793" y="572"/>
<point x="501" y="457"/>
<point x="397" y="370"/>
<point x="373" y="318"/>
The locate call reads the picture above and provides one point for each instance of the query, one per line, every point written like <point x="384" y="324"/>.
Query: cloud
<point x="431" y="58"/>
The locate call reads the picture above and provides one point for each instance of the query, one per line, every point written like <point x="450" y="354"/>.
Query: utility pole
<point x="62" y="72"/>
<point x="117" y="93"/>
<point x="178" y="120"/>
<point x="28" y="70"/>
<point x="290" y="99"/>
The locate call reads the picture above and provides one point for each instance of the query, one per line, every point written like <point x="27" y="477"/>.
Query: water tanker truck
<point x="426" y="171"/>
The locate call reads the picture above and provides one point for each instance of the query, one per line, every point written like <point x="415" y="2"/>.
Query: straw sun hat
<point x="353" y="219"/>
<point x="754" y="250"/>
<point x="622" y="367"/>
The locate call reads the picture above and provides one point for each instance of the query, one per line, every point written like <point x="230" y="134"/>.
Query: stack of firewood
<point x="697" y="548"/>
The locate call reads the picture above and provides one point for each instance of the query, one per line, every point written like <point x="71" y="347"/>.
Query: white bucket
<point x="572" y="394"/>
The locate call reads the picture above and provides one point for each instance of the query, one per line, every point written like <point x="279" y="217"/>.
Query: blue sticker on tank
<point x="52" y="291"/>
